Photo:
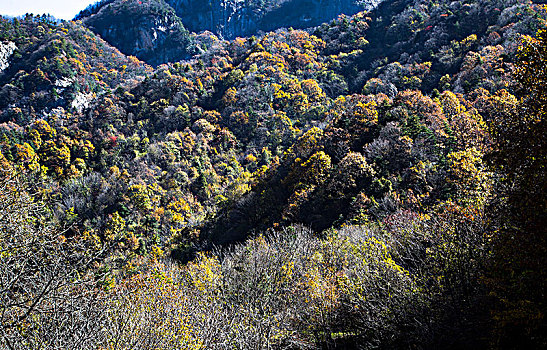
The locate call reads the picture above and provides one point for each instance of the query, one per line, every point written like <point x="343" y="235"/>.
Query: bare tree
<point x="46" y="299"/>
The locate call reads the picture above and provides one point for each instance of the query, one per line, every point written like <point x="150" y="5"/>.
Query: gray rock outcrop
<point x="6" y="50"/>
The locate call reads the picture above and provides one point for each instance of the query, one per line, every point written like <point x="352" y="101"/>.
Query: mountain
<point x="45" y="65"/>
<point x="231" y="19"/>
<point x="409" y="140"/>
<point x="149" y="30"/>
<point x="157" y="31"/>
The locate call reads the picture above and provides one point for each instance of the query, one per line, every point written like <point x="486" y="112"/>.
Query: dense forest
<point x="374" y="182"/>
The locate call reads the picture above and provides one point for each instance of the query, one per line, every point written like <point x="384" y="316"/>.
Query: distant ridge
<point x="159" y="31"/>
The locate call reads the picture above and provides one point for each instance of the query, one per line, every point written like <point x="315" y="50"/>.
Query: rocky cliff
<point x="149" y="30"/>
<point x="156" y="30"/>
<point x="233" y="18"/>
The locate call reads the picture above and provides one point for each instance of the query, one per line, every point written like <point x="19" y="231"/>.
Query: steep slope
<point x="213" y="134"/>
<point x="244" y="18"/>
<point x="154" y="30"/>
<point x="57" y="66"/>
<point x="149" y="30"/>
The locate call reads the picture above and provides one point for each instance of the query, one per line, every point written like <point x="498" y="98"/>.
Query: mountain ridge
<point x="160" y="31"/>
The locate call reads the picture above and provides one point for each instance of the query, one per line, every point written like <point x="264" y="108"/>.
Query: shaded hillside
<point x="149" y="30"/>
<point x="156" y="30"/>
<point x="231" y="19"/>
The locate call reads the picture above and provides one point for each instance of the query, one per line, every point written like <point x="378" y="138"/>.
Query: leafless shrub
<point x="45" y="300"/>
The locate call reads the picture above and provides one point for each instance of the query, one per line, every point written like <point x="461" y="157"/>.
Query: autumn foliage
<point x="375" y="182"/>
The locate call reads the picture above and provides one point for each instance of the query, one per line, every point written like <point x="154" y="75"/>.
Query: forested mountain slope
<point x="54" y="65"/>
<point x="408" y="140"/>
<point x="156" y="30"/>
